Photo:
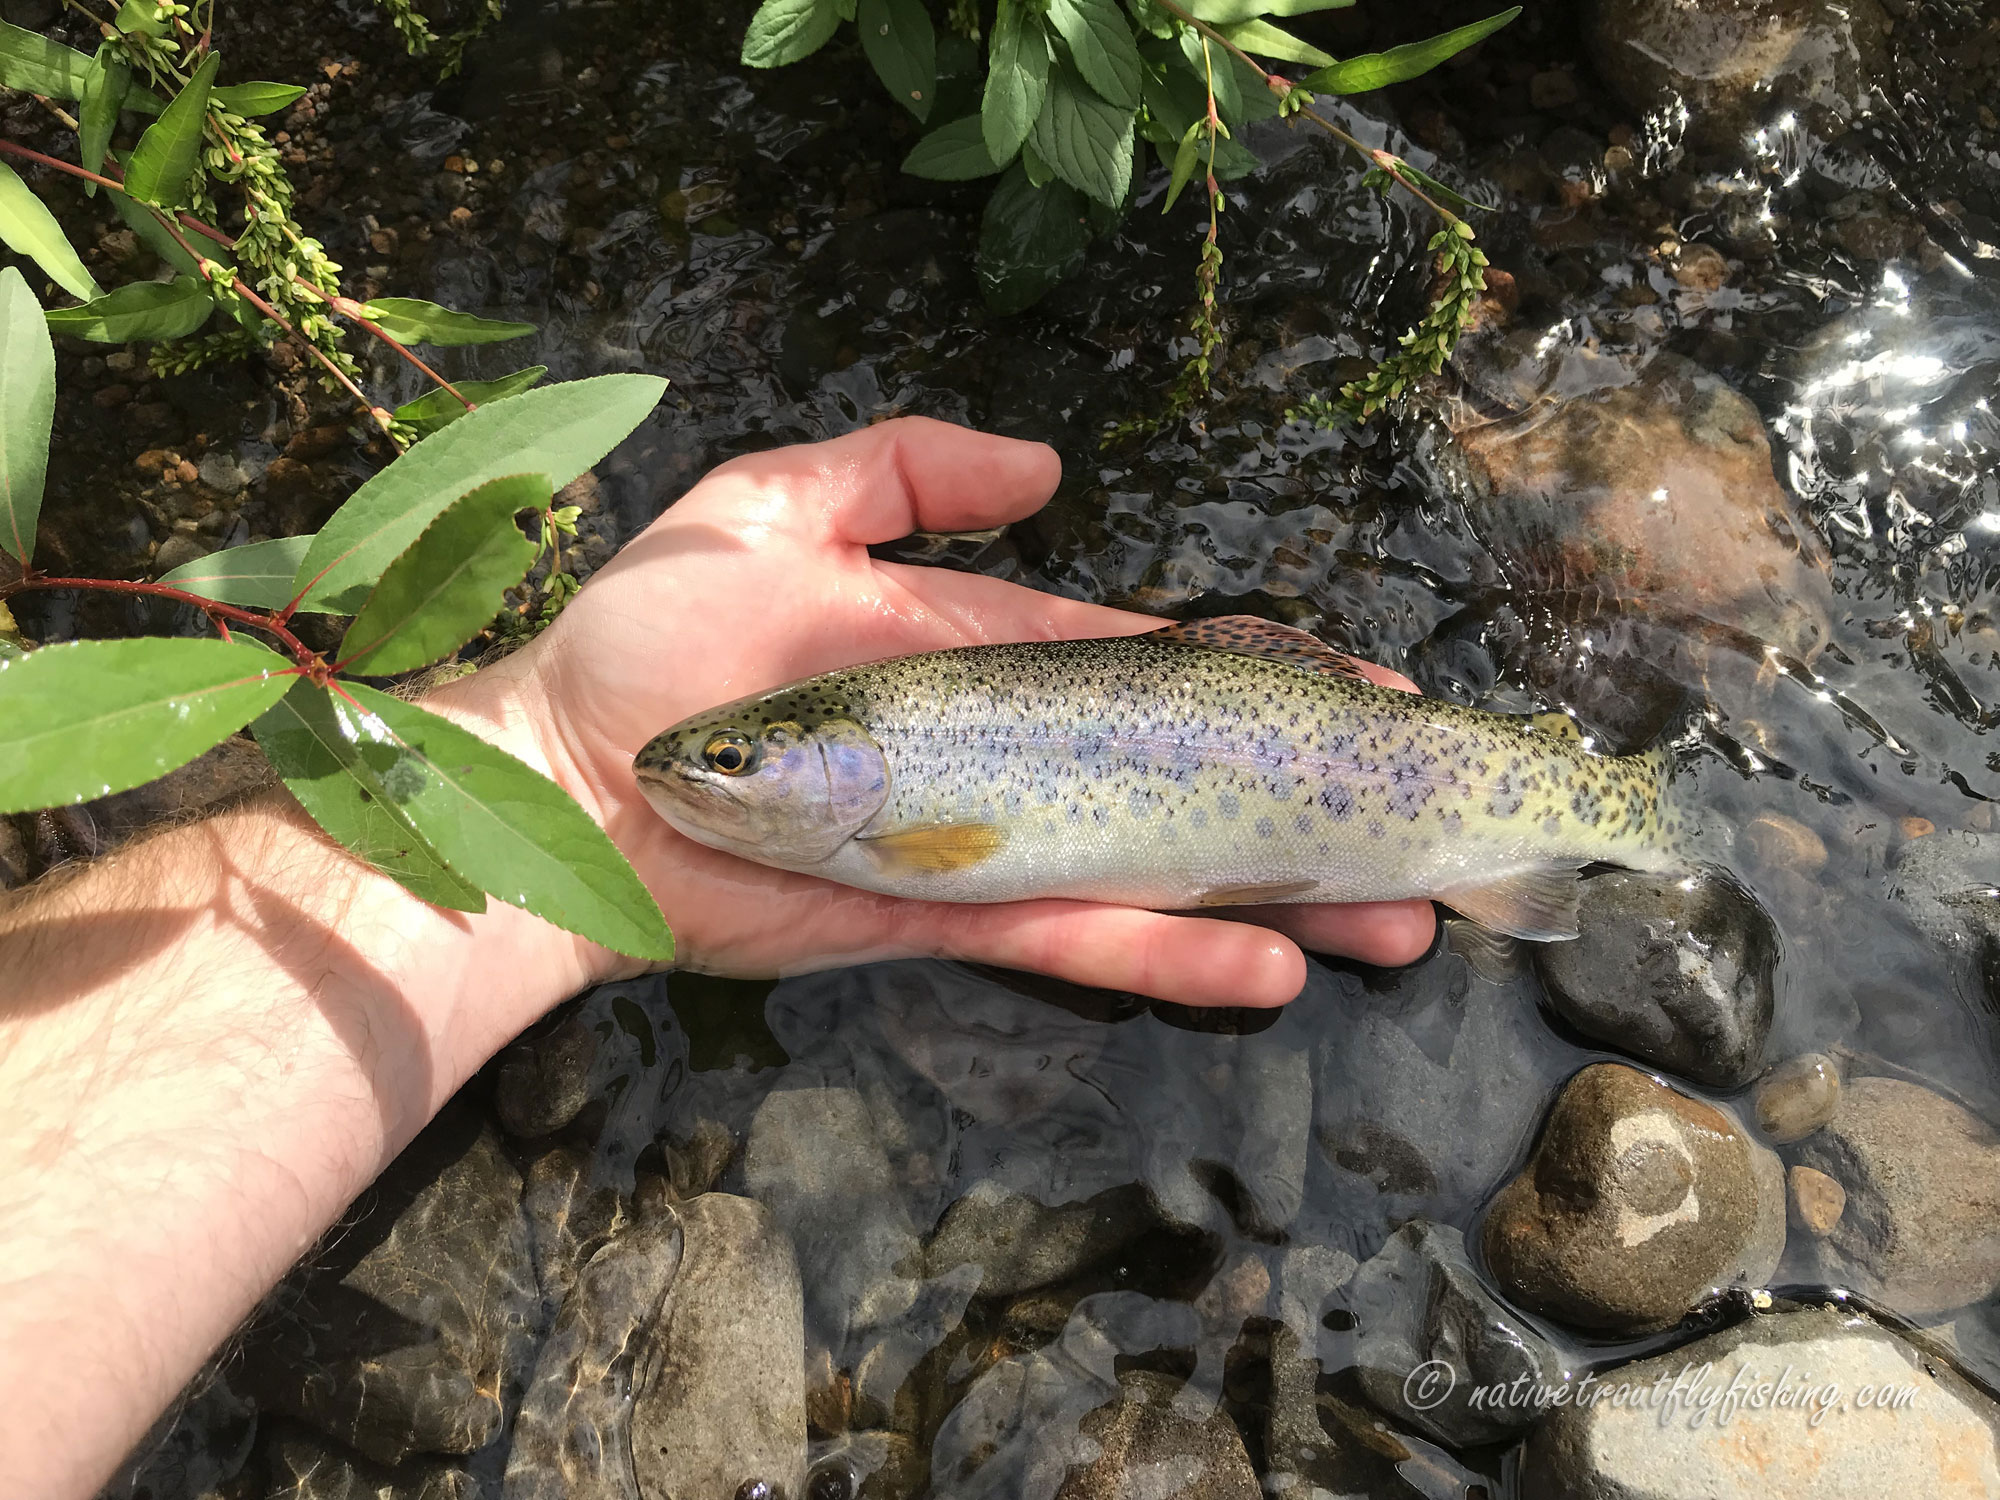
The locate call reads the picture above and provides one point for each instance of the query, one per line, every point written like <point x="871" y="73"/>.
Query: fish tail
<point x="1679" y="835"/>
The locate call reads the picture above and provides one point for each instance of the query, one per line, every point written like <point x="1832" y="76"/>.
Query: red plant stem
<point x="209" y="231"/>
<point x="216" y="610"/>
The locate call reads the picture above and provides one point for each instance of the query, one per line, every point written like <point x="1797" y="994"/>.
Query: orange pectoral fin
<point x="938" y="848"/>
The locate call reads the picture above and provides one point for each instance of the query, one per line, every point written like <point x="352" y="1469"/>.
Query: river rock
<point x="304" y="1466"/>
<point x="1419" y="1303"/>
<point x="419" y="1314"/>
<point x="543" y="1080"/>
<point x="573" y="1436"/>
<point x="1920" y="1232"/>
<point x="1637" y="1205"/>
<point x="1647" y="490"/>
<point x="815" y="1158"/>
<point x="1784" y="1436"/>
<point x="569" y="1218"/>
<point x="1946" y="880"/>
<point x="1797" y="1097"/>
<point x="1674" y="969"/>
<point x="1019" y="1244"/>
<point x="723" y="1403"/>
<point x="1735" y="63"/>
<point x="1817" y="1200"/>
<point x="1147" y="1445"/>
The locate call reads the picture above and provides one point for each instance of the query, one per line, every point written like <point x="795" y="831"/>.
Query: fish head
<point x="785" y="778"/>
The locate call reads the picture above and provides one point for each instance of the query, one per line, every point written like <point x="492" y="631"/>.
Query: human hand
<point x="760" y="575"/>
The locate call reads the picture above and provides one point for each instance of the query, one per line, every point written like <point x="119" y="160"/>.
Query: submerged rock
<point x="1732" y="64"/>
<point x="1798" y="1096"/>
<point x="573" y="1436"/>
<point x="1019" y="1244"/>
<point x="1637" y="1205"/>
<point x="543" y="1080"/>
<point x="1648" y="490"/>
<point x="1920" y="1228"/>
<point x="1676" y="970"/>
<point x="406" y="1331"/>
<point x="1147" y="1445"/>
<point x="723" y="1400"/>
<point x="1798" y="1421"/>
<point x="304" y="1466"/>
<point x="569" y="1218"/>
<point x="1418" y="1303"/>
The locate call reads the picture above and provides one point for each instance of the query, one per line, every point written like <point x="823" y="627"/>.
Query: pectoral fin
<point x="1247" y="635"/>
<point x="1538" y="905"/>
<point x="937" y="848"/>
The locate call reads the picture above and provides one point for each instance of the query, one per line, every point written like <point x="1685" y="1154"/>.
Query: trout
<point x="1214" y="763"/>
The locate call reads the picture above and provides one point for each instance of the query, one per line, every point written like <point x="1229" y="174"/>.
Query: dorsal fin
<point x="1247" y="635"/>
<point x="1538" y="905"/>
<point x="1559" y="724"/>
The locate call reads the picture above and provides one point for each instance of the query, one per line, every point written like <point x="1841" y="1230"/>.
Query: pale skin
<point x="211" y="1042"/>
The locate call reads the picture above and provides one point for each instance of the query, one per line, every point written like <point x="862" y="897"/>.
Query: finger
<point x="1188" y="960"/>
<point x="1385" y="933"/>
<point x="886" y="481"/>
<point x="979" y="608"/>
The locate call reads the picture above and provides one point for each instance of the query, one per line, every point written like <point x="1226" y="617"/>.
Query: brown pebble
<point x="1552" y="90"/>
<point x="454" y="164"/>
<point x="1617" y="159"/>
<point x="113" y="395"/>
<point x="1817" y="1200"/>
<point x="185" y="472"/>
<point x="1701" y="268"/>
<point x="153" y="461"/>
<point x="1778" y="842"/>
<point x="1798" y="1096"/>
<point x="1917" y="828"/>
<point x="461" y="216"/>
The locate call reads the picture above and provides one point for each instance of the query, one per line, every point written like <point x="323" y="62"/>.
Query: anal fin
<point x="937" y="848"/>
<point x="1537" y="905"/>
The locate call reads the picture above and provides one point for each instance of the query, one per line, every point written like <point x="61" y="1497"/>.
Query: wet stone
<point x="544" y="1079"/>
<point x="1147" y="1444"/>
<point x="1797" y="1097"/>
<point x="1019" y="1244"/>
<point x="1936" y="1438"/>
<point x="1418" y="1302"/>
<point x="1920" y="1233"/>
<point x="572" y="1439"/>
<point x="1675" y="970"/>
<point x="304" y="1466"/>
<point x="1817" y="1200"/>
<point x="723" y="1403"/>
<point x="1638" y="1204"/>
<point x="569" y="1218"/>
<point x="405" y="1330"/>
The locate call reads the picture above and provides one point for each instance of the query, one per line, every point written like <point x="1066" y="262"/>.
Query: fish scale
<point x="1177" y="769"/>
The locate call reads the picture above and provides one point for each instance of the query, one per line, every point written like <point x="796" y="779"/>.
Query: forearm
<point x="209" y="1045"/>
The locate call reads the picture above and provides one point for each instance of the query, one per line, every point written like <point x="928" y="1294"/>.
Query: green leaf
<point x="253" y="99"/>
<point x="141" y="310"/>
<point x="1040" y="174"/>
<point x="1375" y="70"/>
<point x="898" y="37"/>
<point x="33" y="64"/>
<point x="1229" y="12"/>
<point x="1030" y="239"/>
<point x="1086" y="141"/>
<point x="409" y="320"/>
<point x="1215" y="66"/>
<point x="104" y="90"/>
<point x="560" y="431"/>
<point x="257" y="575"/>
<point x="1185" y="156"/>
<point x="302" y="738"/>
<point x="1017" y="79"/>
<point x="31" y="230"/>
<point x="1444" y="192"/>
<point x="94" y="717"/>
<point x="162" y="165"/>
<point x="1100" y="42"/>
<point x="1266" y="40"/>
<point x="438" y="409"/>
<point x="501" y="825"/>
<point x="136" y="17"/>
<point x="953" y="153"/>
<point x="447" y="586"/>
<point x="27" y="412"/>
<point x="783" y="31"/>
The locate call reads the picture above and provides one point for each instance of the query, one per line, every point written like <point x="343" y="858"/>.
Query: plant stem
<point x="1281" y="85"/>
<point x="217" y="611"/>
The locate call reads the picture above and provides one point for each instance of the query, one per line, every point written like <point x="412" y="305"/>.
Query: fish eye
<point x="730" y="753"/>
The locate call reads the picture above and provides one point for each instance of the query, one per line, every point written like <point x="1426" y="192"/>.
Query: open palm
<point x="761" y="575"/>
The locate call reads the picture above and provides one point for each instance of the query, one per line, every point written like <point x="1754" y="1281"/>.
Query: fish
<point x="1211" y="763"/>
